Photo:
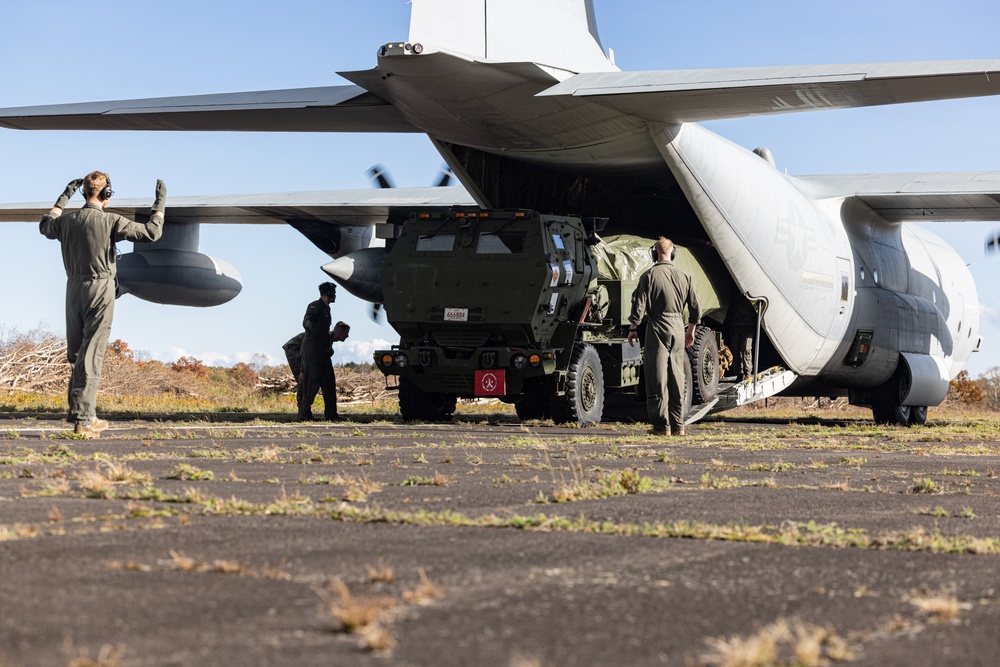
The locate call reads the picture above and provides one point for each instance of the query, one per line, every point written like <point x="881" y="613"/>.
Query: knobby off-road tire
<point x="704" y="357"/>
<point x="688" y="388"/>
<point x="583" y="402"/>
<point x="415" y="404"/>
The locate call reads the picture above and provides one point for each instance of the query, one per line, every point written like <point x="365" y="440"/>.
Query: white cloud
<point x="358" y="351"/>
<point x="989" y="313"/>
<point x="219" y="358"/>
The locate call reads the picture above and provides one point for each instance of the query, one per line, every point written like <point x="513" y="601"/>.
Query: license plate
<point x="456" y="314"/>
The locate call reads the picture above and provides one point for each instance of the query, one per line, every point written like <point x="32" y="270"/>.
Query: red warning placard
<point x="491" y="383"/>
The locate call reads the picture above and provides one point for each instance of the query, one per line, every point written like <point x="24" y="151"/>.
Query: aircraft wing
<point x="931" y="197"/>
<point x="342" y="207"/>
<point x="681" y="96"/>
<point x="329" y="109"/>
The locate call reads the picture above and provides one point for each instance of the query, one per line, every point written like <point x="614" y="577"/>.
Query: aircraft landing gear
<point x="887" y="401"/>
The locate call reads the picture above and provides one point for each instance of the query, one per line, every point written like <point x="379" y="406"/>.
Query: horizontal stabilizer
<point x="681" y="96"/>
<point x="929" y="197"/>
<point x="328" y="109"/>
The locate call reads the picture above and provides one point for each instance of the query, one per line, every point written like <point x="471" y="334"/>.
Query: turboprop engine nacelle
<point x="172" y="271"/>
<point x="360" y="273"/>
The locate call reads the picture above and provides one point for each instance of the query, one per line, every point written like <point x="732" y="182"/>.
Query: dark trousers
<point x="295" y="364"/>
<point x="318" y="372"/>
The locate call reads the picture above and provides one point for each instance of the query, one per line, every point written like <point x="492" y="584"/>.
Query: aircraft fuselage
<point x="848" y="295"/>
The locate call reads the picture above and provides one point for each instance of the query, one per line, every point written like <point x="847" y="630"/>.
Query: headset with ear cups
<point x="652" y="252"/>
<point x="106" y="192"/>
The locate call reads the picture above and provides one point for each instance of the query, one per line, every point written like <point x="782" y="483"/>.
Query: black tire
<point x="887" y="399"/>
<point x="415" y="404"/>
<point x="688" y="389"/>
<point x="704" y="357"/>
<point x="918" y="415"/>
<point x="583" y="402"/>
<point x="534" y="402"/>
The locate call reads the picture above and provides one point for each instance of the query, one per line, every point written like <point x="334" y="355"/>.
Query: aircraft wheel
<point x="918" y="415"/>
<point x="415" y="404"/>
<point x="704" y="358"/>
<point x="583" y="401"/>
<point x="887" y="399"/>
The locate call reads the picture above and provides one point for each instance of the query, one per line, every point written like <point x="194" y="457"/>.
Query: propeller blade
<point x="445" y="179"/>
<point x="380" y="177"/>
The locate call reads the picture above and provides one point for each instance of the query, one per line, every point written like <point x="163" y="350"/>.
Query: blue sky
<point x="51" y="53"/>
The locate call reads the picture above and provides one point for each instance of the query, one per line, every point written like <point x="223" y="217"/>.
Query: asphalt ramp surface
<point x="371" y="543"/>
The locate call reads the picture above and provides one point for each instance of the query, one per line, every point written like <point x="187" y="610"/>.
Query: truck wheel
<point x="415" y="404"/>
<point x="887" y="399"/>
<point x="688" y="387"/>
<point x="704" y="357"/>
<point x="583" y="402"/>
<point x="534" y="401"/>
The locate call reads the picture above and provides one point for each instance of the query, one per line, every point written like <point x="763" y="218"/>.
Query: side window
<point x="501" y="243"/>
<point x="436" y="243"/>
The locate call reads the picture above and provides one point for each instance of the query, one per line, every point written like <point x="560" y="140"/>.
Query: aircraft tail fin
<point x="557" y="33"/>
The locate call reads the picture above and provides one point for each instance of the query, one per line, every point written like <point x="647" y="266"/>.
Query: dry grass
<point x="941" y="607"/>
<point x="99" y="482"/>
<point x="367" y="617"/>
<point x="380" y="573"/>
<point x="107" y="656"/>
<point x="370" y="617"/>
<point x="783" y="642"/>
<point x="424" y="592"/>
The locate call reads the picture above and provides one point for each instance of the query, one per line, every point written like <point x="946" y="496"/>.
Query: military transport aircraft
<point x="528" y="111"/>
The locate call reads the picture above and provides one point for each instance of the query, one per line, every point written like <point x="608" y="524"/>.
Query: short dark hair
<point x="327" y="289"/>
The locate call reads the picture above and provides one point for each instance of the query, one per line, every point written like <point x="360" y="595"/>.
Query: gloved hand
<point x="70" y="190"/>
<point x="160" y="201"/>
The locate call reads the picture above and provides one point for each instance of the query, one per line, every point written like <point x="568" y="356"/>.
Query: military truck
<point x="529" y="308"/>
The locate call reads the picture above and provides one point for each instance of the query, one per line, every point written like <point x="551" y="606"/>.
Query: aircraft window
<point x="875" y="276"/>
<point x="501" y="243"/>
<point x="436" y="243"/>
<point x="862" y="274"/>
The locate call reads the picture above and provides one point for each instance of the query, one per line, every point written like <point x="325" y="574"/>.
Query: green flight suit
<point x="87" y="237"/>
<point x="661" y="295"/>
<point x="293" y="353"/>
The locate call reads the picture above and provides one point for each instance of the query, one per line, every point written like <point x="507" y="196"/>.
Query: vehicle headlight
<point x="535" y="360"/>
<point x="401" y="360"/>
<point x="386" y="360"/>
<point x="519" y="362"/>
